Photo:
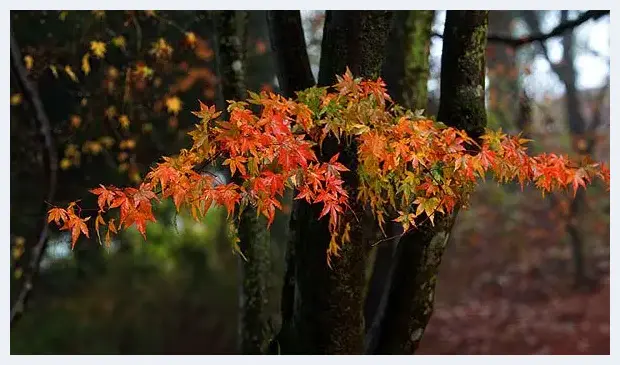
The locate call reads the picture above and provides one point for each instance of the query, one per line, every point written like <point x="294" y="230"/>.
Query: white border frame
<point x="313" y="5"/>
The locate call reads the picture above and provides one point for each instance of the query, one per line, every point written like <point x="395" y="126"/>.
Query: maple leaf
<point x="427" y="206"/>
<point x="577" y="178"/>
<point x="76" y="225"/>
<point x="28" y="62"/>
<point x="86" y="63"/>
<point x="98" y="48"/>
<point x="174" y="105"/>
<point x="124" y="121"/>
<point x="161" y="49"/>
<point x="70" y="73"/>
<point x="206" y="113"/>
<point x="104" y="196"/>
<point x="57" y="215"/>
<point x="190" y="38"/>
<point x="119" y="41"/>
<point x="144" y="195"/>
<point x="236" y="163"/>
<point x="99" y="221"/>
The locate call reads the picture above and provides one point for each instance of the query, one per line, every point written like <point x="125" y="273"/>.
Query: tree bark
<point x="406" y="72"/>
<point x="254" y="238"/>
<point x="410" y="297"/>
<point x="327" y="315"/>
<point x="289" y="46"/>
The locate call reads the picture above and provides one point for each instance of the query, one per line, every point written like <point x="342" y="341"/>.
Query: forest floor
<point x="494" y="300"/>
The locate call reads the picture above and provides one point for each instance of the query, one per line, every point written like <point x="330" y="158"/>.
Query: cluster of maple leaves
<point x="406" y="162"/>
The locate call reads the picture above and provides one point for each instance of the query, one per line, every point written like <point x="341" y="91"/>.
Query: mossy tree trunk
<point x="254" y="238"/>
<point x="406" y="72"/>
<point x="400" y="325"/>
<point x="327" y="304"/>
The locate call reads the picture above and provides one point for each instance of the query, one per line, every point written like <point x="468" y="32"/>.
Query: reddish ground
<point x="492" y="302"/>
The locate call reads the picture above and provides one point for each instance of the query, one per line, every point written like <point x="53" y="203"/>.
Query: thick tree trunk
<point x="410" y="298"/>
<point x="254" y="237"/>
<point x="294" y="74"/>
<point x="327" y="316"/>
<point x="289" y="45"/>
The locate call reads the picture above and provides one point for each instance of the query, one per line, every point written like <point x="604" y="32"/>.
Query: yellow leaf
<point x="110" y="112"/>
<point x="99" y="14"/>
<point x="65" y="164"/>
<point x="124" y="121"/>
<point x="113" y="72"/>
<point x="20" y="241"/>
<point x="144" y="71"/>
<point x="18" y="273"/>
<point x="174" y="105"/>
<point x="16" y="99"/>
<point x="70" y="73"/>
<point x="98" y="48"/>
<point x="119" y="41"/>
<point x="358" y="129"/>
<point x="86" y="63"/>
<point x="54" y="71"/>
<point x="63" y="15"/>
<point x="29" y="62"/>
<point x="161" y="49"/>
<point x="190" y="38"/>
<point x="107" y="141"/>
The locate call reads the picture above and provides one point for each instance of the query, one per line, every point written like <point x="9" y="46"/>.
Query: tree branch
<point x="541" y="37"/>
<point x="31" y="95"/>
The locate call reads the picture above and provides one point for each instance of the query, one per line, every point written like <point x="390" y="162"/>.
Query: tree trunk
<point x="289" y="45"/>
<point x="406" y="73"/>
<point x="254" y="238"/>
<point x="327" y="316"/>
<point x="399" y="329"/>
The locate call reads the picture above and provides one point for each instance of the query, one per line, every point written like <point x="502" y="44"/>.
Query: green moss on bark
<point x="399" y="328"/>
<point x="463" y="71"/>
<point x="417" y="63"/>
<point x="255" y="244"/>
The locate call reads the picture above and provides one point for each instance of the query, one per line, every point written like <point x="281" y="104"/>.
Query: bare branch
<point x="31" y="95"/>
<point x="541" y="37"/>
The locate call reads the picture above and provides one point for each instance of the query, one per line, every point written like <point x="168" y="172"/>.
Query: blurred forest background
<point x="521" y="274"/>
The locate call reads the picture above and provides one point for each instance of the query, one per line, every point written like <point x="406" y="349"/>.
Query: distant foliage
<point x="406" y="163"/>
<point x="127" y="72"/>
